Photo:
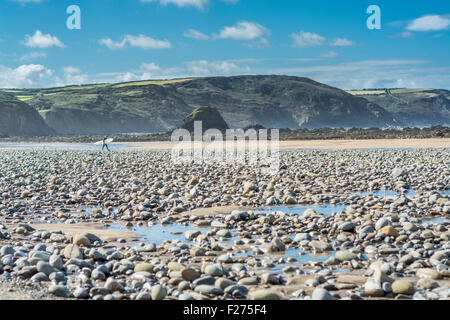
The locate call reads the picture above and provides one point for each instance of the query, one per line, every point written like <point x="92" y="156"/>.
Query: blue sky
<point x="127" y="40"/>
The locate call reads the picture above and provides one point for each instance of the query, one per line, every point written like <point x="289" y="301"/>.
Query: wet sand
<point x="324" y="144"/>
<point x="95" y="228"/>
<point x="283" y="145"/>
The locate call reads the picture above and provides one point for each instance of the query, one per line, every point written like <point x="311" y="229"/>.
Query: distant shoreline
<point x="439" y="143"/>
<point x="324" y="134"/>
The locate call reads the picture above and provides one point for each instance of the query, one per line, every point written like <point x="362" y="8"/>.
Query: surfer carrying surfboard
<point x="105" y="144"/>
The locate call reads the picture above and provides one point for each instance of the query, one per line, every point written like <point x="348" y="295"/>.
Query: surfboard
<point x="99" y="143"/>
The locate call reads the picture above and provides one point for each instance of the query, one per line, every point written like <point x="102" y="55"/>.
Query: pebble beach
<point x="131" y="225"/>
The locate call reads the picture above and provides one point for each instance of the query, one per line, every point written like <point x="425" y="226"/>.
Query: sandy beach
<point x="324" y="144"/>
<point x="283" y="145"/>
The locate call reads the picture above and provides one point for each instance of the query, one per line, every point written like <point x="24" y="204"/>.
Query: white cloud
<point x="342" y="42"/>
<point x="194" y="34"/>
<point x="404" y="35"/>
<point x="244" y="30"/>
<point x="32" y="56"/>
<point x="330" y="54"/>
<point x="311" y="40"/>
<point x="24" y="76"/>
<point x="208" y="68"/>
<point x="71" y="76"/>
<point x="71" y="70"/>
<point x="307" y="39"/>
<point x="112" y="45"/>
<point x="430" y="23"/>
<point x="140" y="41"/>
<point x="374" y="74"/>
<point x="40" y="40"/>
<point x="200" y="4"/>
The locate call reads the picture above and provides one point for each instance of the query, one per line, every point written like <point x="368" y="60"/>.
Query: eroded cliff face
<point x="415" y="107"/>
<point x="282" y="102"/>
<point x="19" y="119"/>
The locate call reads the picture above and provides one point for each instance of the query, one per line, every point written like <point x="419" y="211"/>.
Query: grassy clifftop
<point x="272" y="101"/>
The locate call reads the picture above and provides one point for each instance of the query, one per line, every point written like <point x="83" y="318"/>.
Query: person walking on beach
<point x="104" y="144"/>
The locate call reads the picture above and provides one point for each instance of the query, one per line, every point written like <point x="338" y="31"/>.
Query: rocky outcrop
<point x="210" y="118"/>
<point x="17" y="119"/>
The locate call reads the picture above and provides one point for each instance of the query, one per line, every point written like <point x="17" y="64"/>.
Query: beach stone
<point x="427" y="283"/>
<point x="270" y="278"/>
<point x="346" y="256"/>
<point x="45" y="267"/>
<point x="191" y="234"/>
<point x="25" y="194"/>
<point x="389" y="231"/>
<point x="264" y="294"/>
<point x="81" y="240"/>
<point x="60" y="291"/>
<point x="56" y="262"/>
<point x="302" y="236"/>
<point x="190" y="274"/>
<point x="223" y="283"/>
<point x="27" y="272"/>
<point x="290" y="200"/>
<point x="144" y="296"/>
<point x="184" y="285"/>
<point x="224" y="233"/>
<point x="347" y="226"/>
<point x="144" y="267"/>
<point x="409" y="227"/>
<point x="185" y="297"/>
<point x="321" y="294"/>
<point x="92" y="238"/>
<point x="239" y="215"/>
<point x="278" y="244"/>
<point x="96" y="255"/>
<point x="208" y="280"/>
<point x="58" y="277"/>
<point x="99" y="291"/>
<point x="193" y="182"/>
<point x="158" y="292"/>
<point x="208" y="290"/>
<point x="407" y="259"/>
<point x="214" y="270"/>
<point x="428" y="273"/>
<point x="381" y="277"/>
<point x="40" y="277"/>
<point x="72" y="251"/>
<point x="387" y="287"/>
<point x="197" y="252"/>
<point x="41" y="256"/>
<point x="248" y="281"/>
<point x="250" y="186"/>
<point x="320" y="246"/>
<point x="398" y="172"/>
<point x="373" y="288"/>
<point x="81" y="293"/>
<point x="403" y="287"/>
<point x="56" y="237"/>
<point x="383" y="222"/>
<point x="174" y="266"/>
<point x="113" y="285"/>
<point x="98" y="275"/>
<point x="5" y="250"/>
